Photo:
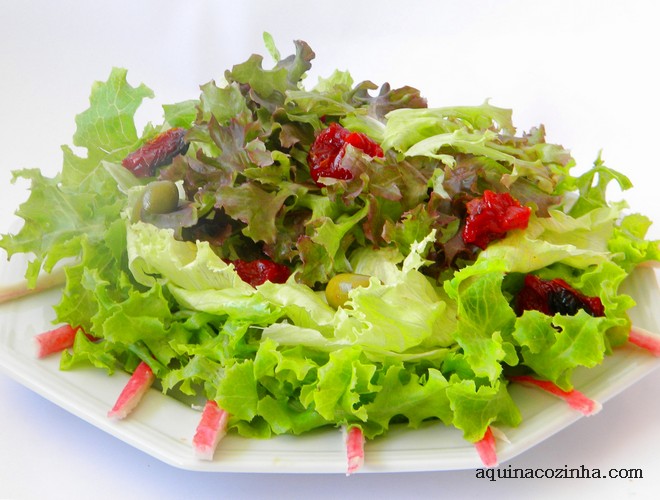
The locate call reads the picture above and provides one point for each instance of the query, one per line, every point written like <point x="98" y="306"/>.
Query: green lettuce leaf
<point x="155" y="256"/>
<point x="476" y="407"/>
<point x="83" y="200"/>
<point x="404" y="394"/>
<point x="486" y="322"/>
<point x="554" y="346"/>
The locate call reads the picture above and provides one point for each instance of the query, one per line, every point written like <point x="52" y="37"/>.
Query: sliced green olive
<point x="160" y="197"/>
<point x="336" y="292"/>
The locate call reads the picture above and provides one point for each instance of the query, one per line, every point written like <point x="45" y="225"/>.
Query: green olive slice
<point x="336" y="292"/>
<point x="160" y="197"/>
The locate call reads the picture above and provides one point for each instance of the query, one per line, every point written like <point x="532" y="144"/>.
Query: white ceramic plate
<point x="163" y="427"/>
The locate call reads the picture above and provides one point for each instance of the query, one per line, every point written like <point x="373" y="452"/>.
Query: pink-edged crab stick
<point x="645" y="339"/>
<point x="211" y="429"/>
<point x="54" y="341"/>
<point x="574" y="398"/>
<point x="136" y="387"/>
<point x="486" y="449"/>
<point x="354" y="439"/>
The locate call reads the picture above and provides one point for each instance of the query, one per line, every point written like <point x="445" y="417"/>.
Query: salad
<point x="339" y="256"/>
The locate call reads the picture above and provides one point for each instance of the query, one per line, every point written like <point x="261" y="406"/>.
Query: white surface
<point x="587" y="70"/>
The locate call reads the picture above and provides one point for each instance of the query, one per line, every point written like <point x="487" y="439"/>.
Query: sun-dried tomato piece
<point x="257" y="272"/>
<point x="362" y="142"/>
<point x="490" y="217"/>
<point x="555" y="297"/>
<point x="327" y="151"/>
<point x="156" y="152"/>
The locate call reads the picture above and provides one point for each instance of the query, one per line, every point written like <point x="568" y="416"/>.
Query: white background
<point x="588" y="70"/>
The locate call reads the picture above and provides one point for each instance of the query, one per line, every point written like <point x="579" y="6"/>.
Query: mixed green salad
<point x="340" y="255"/>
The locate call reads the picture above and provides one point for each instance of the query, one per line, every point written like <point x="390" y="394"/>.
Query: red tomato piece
<point x="555" y="297"/>
<point x="156" y="152"/>
<point x="362" y="142"/>
<point x="327" y="151"/>
<point x="491" y="216"/>
<point x="259" y="271"/>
